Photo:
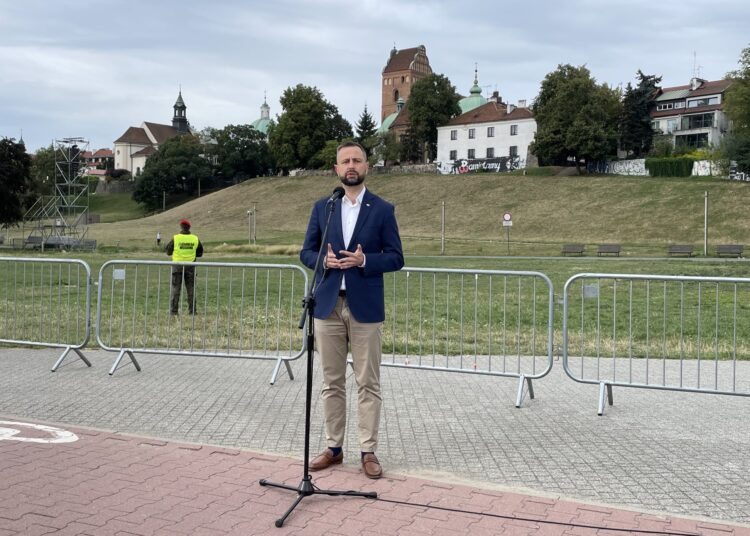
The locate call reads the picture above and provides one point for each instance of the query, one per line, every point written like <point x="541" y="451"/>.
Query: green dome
<point x="261" y="125"/>
<point x="475" y="99"/>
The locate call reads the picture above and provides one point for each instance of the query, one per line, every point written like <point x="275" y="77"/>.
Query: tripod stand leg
<point x="279" y="522"/>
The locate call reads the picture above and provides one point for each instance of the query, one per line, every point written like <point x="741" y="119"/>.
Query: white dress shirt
<point x="349" y="215"/>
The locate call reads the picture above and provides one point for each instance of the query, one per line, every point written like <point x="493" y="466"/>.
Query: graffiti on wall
<point x="736" y="175"/>
<point x="487" y="165"/>
<point x="637" y="166"/>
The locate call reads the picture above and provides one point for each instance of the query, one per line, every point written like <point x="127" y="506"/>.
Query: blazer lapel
<point x="336" y="234"/>
<point x="364" y="213"/>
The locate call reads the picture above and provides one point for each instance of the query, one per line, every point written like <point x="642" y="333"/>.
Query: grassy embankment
<point x="640" y="213"/>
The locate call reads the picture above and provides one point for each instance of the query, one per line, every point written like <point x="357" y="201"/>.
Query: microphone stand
<point x="306" y="486"/>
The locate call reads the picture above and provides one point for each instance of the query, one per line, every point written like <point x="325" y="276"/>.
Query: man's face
<point x="351" y="166"/>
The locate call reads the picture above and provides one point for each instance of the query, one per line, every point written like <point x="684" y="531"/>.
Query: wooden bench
<point x="734" y="250"/>
<point x="608" y="249"/>
<point x="680" y="249"/>
<point x="573" y="249"/>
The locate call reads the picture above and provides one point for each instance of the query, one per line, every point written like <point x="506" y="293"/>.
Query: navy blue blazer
<point x="377" y="231"/>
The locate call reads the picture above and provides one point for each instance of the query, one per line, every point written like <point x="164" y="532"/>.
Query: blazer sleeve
<point x="391" y="256"/>
<point x="311" y="245"/>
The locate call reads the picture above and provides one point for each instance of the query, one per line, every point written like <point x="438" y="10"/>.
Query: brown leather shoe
<point x="326" y="459"/>
<point x="371" y="466"/>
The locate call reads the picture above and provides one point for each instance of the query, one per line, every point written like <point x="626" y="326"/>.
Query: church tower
<point x="179" y="120"/>
<point x="404" y="67"/>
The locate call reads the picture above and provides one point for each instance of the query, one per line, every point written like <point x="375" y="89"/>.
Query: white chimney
<point x="510" y="108"/>
<point x="522" y="103"/>
<point x="695" y="83"/>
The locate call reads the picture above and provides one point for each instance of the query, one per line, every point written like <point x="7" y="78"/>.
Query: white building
<point x="693" y="115"/>
<point x="133" y="148"/>
<point x="494" y="136"/>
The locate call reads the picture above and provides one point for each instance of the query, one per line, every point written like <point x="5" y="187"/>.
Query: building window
<point x="707" y="101"/>
<point x="513" y="150"/>
<point x="671" y="125"/>
<point x="666" y="106"/>
<point x="655" y="126"/>
<point x="513" y="130"/>
<point x="470" y="154"/>
<point x="490" y="132"/>
<point x="453" y="155"/>
<point x="490" y="152"/>
<point x="403" y="79"/>
<point x="454" y="134"/>
<point x="395" y="96"/>
<point x="472" y="133"/>
<point x="691" y="140"/>
<point x="697" y="121"/>
<point x="679" y="104"/>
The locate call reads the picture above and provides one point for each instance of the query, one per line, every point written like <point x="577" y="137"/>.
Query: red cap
<point x="184" y="222"/>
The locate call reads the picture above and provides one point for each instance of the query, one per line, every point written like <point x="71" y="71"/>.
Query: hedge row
<point x="681" y="166"/>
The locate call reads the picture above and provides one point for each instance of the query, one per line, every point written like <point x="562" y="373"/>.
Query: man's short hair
<point x="351" y="144"/>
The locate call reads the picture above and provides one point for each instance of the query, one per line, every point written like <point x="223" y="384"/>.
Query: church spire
<point x="179" y="119"/>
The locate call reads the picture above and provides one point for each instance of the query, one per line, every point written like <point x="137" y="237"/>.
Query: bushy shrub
<point x="670" y="167"/>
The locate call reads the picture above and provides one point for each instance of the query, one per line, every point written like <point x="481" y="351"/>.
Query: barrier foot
<point x="604" y="387"/>
<point x="116" y="364"/>
<point x="68" y="349"/>
<point x="521" y="381"/>
<point x="275" y="374"/>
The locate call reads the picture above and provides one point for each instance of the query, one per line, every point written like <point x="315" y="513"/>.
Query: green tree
<point x="737" y="108"/>
<point x="177" y="166"/>
<point x="410" y="146"/>
<point x="15" y="172"/>
<point x="388" y="147"/>
<point x="242" y="152"/>
<point x="326" y="157"/>
<point x="577" y="119"/>
<point x="433" y="101"/>
<point x="306" y="123"/>
<point x="365" y="131"/>
<point x="636" y="134"/>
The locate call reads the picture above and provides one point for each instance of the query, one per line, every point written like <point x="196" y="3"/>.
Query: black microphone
<point x="338" y="193"/>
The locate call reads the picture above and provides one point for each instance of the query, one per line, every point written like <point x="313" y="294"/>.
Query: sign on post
<point x="507" y="223"/>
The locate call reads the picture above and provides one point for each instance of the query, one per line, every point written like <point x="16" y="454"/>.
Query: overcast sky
<point x="92" y="69"/>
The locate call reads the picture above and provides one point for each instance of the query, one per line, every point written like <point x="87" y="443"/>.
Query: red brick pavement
<point x="112" y="484"/>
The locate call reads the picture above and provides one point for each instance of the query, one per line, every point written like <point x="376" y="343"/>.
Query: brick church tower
<point x="404" y="67"/>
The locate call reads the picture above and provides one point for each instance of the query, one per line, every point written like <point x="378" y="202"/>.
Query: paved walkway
<point x="107" y="483"/>
<point x="446" y="440"/>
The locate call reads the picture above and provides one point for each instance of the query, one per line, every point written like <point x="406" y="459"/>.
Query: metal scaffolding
<point x="61" y="220"/>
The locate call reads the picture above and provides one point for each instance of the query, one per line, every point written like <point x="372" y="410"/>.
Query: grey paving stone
<point x="682" y="453"/>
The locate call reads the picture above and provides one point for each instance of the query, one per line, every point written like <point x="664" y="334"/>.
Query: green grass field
<point x="642" y="214"/>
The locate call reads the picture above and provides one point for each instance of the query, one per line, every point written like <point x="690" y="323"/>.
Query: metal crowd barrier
<point x="497" y="323"/>
<point x="241" y="310"/>
<point x="674" y="333"/>
<point x="46" y="302"/>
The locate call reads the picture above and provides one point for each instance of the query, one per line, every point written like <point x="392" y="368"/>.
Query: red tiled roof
<point x="402" y="119"/>
<point x="707" y="88"/>
<point x="86" y="154"/>
<point x="491" y="112"/>
<point x="401" y="60"/>
<point x="146" y="151"/>
<point x="134" y="135"/>
<point x="161" y="132"/>
<point x="103" y="153"/>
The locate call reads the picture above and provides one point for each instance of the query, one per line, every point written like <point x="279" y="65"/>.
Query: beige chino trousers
<point x="334" y="336"/>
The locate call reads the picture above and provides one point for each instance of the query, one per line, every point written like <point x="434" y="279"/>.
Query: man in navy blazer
<point x="362" y="244"/>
